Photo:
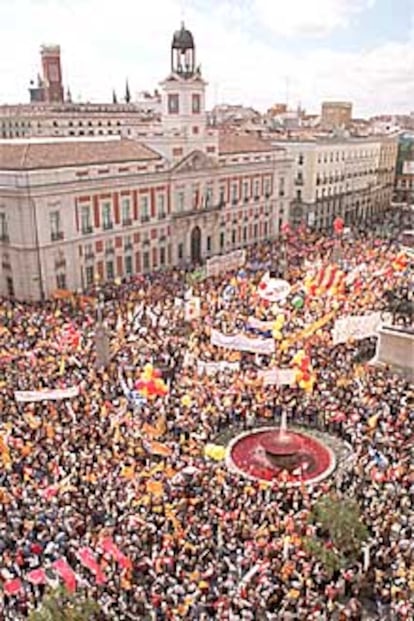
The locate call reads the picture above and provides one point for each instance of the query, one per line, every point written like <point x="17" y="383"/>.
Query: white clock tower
<point x="184" y="119"/>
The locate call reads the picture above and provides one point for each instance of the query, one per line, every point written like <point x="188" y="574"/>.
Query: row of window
<point x="335" y="178"/>
<point x="342" y="155"/>
<point x="64" y="123"/>
<point x="174" y="103"/>
<point x="91" y="132"/>
<point x="337" y="190"/>
<point x="106" y="219"/>
<point x="405" y="183"/>
<point x="106" y="213"/>
<point x="125" y="264"/>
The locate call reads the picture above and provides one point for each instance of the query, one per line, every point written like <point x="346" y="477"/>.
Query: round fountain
<point x="278" y="454"/>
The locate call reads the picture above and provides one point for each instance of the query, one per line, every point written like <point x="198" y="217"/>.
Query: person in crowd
<point x="194" y="540"/>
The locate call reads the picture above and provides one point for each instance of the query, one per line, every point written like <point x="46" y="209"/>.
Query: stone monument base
<point x="395" y="347"/>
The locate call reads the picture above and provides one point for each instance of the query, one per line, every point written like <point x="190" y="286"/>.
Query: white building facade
<point x="74" y="209"/>
<point x="349" y="177"/>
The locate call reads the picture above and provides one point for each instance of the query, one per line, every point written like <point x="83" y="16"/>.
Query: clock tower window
<point x="196" y="103"/>
<point x="173" y="104"/>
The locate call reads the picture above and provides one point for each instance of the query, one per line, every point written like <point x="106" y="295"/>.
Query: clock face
<point x="53" y="72"/>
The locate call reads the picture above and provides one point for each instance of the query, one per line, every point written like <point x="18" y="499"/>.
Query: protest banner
<point x="225" y="263"/>
<point x="27" y="396"/>
<point x="356" y="327"/>
<point x="242" y="342"/>
<point x="212" y="368"/>
<point x="277" y="377"/>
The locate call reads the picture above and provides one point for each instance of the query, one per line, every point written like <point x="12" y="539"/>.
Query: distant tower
<point x="68" y="96"/>
<point x="114" y="97"/>
<point x="52" y="73"/>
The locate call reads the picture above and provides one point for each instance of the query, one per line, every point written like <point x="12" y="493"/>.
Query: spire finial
<point x="127" y="92"/>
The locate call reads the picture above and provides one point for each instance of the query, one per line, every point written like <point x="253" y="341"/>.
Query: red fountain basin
<point x="285" y="443"/>
<point x="291" y="457"/>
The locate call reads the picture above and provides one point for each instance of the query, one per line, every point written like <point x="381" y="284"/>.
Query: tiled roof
<point x="39" y="155"/>
<point x="243" y="143"/>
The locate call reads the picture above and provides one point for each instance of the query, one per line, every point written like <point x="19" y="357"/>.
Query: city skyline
<point x="252" y="52"/>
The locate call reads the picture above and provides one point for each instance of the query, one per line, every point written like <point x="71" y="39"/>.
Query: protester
<point x="113" y="483"/>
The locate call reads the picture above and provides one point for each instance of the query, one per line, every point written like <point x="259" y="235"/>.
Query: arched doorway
<point x="196" y="245"/>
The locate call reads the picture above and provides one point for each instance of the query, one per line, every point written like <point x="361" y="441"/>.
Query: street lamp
<point x="101" y="335"/>
<point x="283" y="269"/>
<point x="338" y="226"/>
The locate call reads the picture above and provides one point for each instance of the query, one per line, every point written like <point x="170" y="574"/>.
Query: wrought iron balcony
<point x="196" y="211"/>
<point x="56" y="235"/>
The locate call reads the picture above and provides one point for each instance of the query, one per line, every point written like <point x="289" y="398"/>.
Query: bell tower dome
<point x="183" y="53"/>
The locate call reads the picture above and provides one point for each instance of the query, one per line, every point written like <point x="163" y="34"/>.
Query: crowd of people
<point x="194" y="540"/>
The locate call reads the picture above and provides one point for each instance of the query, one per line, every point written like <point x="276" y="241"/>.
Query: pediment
<point x="196" y="160"/>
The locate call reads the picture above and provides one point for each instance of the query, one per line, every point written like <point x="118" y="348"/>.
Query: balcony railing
<point x="128" y="246"/>
<point x="162" y="215"/>
<point x="4" y="238"/>
<point x="107" y="226"/>
<point x="89" y="256"/>
<point x="109" y="251"/>
<point x="61" y="263"/>
<point x="86" y="230"/>
<point x="145" y="219"/>
<point x="298" y="181"/>
<point x="195" y="210"/>
<point x="56" y="235"/>
<point x="127" y="222"/>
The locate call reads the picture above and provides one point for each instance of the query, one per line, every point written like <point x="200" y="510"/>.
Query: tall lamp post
<point x="284" y="258"/>
<point x="101" y="335"/>
<point x="338" y="226"/>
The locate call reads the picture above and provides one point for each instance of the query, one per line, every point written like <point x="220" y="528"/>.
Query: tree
<point x="60" y="605"/>
<point x="340" y="532"/>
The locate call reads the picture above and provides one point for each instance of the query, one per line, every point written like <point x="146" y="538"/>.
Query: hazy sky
<point x="254" y="52"/>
